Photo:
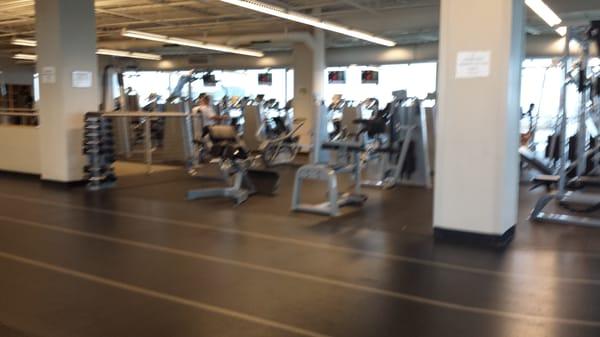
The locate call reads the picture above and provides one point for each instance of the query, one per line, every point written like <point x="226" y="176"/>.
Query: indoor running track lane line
<point x="280" y="272"/>
<point x="303" y="243"/>
<point x="162" y="296"/>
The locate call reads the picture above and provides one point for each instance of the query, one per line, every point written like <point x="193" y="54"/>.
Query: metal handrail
<point x="145" y="114"/>
<point x="146" y="119"/>
<point x="19" y="112"/>
<point x="18" y="109"/>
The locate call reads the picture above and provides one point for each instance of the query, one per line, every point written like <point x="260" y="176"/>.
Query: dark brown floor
<point x="139" y="260"/>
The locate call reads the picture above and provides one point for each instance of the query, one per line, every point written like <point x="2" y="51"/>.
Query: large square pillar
<point x="67" y="64"/>
<point x="477" y="166"/>
<point x="309" y="84"/>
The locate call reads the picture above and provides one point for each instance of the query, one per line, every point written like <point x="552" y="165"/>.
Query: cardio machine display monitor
<point x="337" y="77"/>
<point x="209" y="80"/>
<point x="370" y="77"/>
<point x="265" y="79"/>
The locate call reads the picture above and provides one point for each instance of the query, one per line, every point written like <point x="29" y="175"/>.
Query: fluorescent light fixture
<point x="110" y="52"/>
<point x="128" y="54"/>
<point x="26" y="57"/>
<point x="23" y="42"/>
<point x="190" y="43"/>
<point x="543" y="11"/>
<point x="562" y="31"/>
<point x="308" y="20"/>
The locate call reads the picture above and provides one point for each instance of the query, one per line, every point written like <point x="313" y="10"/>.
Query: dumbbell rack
<point x="98" y="146"/>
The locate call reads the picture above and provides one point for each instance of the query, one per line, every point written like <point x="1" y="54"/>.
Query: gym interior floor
<point x="139" y="260"/>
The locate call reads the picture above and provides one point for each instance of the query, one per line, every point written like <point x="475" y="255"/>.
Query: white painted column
<point x="309" y="83"/>
<point x="66" y="35"/>
<point x="477" y="167"/>
<point x="319" y="66"/>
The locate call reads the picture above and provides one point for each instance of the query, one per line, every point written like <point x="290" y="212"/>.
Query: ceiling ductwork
<point x="292" y="38"/>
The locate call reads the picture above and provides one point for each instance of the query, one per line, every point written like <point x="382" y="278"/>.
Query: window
<point x="418" y="79"/>
<point x="541" y="85"/>
<point x="230" y="82"/>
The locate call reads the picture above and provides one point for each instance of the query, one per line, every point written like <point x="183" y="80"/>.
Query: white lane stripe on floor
<point x="311" y="278"/>
<point x="306" y="243"/>
<point x="162" y="296"/>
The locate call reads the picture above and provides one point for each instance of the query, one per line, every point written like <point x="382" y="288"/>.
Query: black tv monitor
<point x="337" y="77"/>
<point x="265" y="79"/>
<point x="370" y="77"/>
<point x="209" y="80"/>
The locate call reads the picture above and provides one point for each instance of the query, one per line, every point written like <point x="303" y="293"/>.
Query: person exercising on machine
<point x="208" y="114"/>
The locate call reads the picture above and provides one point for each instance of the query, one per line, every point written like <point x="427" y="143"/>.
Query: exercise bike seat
<point x="372" y="127"/>
<point x="361" y="121"/>
<point x="222" y="133"/>
<point x="353" y="147"/>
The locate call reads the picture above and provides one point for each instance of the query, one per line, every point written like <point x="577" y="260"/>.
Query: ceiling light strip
<point x="26" y="57"/>
<point x="23" y="42"/>
<point x="190" y="43"/>
<point x="309" y="20"/>
<point x="109" y="52"/>
<point x="547" y="14"/>
<point x="128" y="54"/>
<point x="562" y="31"/>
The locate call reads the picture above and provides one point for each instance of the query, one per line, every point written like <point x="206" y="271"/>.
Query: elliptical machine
<point x="275" y="138"/>
<point x="235" y="164"/>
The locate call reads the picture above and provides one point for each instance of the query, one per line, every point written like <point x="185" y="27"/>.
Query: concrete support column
<point x="309" y="84"/>
<point x="477" y="167"/>
<point x="67" y="64"/>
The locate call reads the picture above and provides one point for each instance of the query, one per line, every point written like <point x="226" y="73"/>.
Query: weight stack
<point x="99" y="148"/>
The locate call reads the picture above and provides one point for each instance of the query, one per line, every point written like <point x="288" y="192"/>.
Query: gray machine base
<point x="238" y="195"/>
<point x="237" y="192"/>
<point x="564" y="219"/>
<point x="335" y="200"/>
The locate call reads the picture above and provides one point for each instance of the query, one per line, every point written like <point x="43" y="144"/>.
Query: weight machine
<point x="274" y="137"/>
<point x="234" y="163"/>
<point x="322" y="168"/>
<point x="401" y="156"/>
<point x="586" y="152"/>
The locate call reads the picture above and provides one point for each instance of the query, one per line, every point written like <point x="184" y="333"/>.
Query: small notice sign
<point x="48" y="75"/>
<point x="82" y="79"/>
<point x="473" y="64"/>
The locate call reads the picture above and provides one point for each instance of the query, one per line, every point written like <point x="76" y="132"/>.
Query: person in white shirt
<point x="207" y="113"/>
<point x="205" y="110"/>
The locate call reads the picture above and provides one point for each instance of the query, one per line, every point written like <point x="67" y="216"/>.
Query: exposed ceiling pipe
<point x="297" y="37"/>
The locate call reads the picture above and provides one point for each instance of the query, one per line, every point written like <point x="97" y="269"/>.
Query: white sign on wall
<point x="473" y="64"/>
<point x="48" y="75"/>
<point x="82" y="79"/>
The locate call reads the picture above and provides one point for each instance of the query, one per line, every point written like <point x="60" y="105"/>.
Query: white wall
<point x="20" y="149"/>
